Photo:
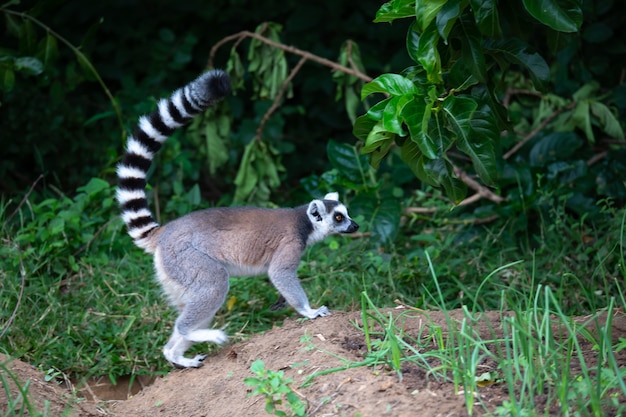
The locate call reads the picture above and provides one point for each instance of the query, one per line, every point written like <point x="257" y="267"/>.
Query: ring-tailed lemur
<point x="195" y="254"/>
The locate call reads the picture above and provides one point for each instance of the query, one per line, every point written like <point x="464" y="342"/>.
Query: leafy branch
<point x="352" y="69"/>
<point x="259" y="167"/>
<point x="448" y="100"/>
<point x="238" y="37"/>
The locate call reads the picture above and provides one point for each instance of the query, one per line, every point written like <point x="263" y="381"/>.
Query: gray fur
<point x="195" y="255"/>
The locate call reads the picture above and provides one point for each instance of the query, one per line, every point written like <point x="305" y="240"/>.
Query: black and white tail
<point x="182" y="106"/>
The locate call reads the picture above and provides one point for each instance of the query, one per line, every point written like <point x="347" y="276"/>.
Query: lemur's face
<point x="340" y="222"/>
<point x="328" y="217"/>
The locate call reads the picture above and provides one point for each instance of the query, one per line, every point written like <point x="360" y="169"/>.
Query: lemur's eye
<point x="338" y="217"/>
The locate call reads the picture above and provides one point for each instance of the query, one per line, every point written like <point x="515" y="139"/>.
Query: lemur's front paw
<point x="310" y="313"/>
<point x="182" y="363"/>
<point x="323" y="311"/>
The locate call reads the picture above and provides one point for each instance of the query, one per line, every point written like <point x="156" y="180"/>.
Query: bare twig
<point x="474" y="185"/>
<point x="536" y="130"/>
<point x="86" y="245"/>
<point x="420" y="210"/>
<point x="517" y="91"/>
<point x="19" y="206"/>
<point x="597" y="158"/>
<point x="467" y="201"/>
<point x="279" y="97"/>
<point x="471" y="199"/>
<point x="309" y="56"/>
<point x="19" y="297"/>
<point x="408" y="307"/>
<point x="487" y="219"/>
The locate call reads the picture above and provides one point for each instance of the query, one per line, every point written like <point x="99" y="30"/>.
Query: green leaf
<point x="486" y="17"/>
<point x="85" y="64"/>
<point x="448" y="16"/>
<point x="486" y="136"/>
<point x="345" y="159"/>
<point x="392" y="84"/>
<point x="56" y="226"/>
<point x="383" y="212"/>
<point x="475" y="138"/>
<point x="380" y="153"/>
<point x="363" y="125"/>
<point x="376" y="137"/>
<point x="50" y="50"/>
<point x="416" y="114"/>
<point x="395" y="9"/>
<point x="386" y="220"/>
<point x="27" y="37"/>
<point x="441" y="170"/>
<point x="377" y="144"/>
<point x="607" y="120"/>
<point x="412" y="41"/>
<point x="12" y="25"/>
<point x="472" y="52"/>
<point x="515" y="51"/>
<point x="428" y="54"/>
<point x="8" y="79"/>
<point x="29" y="65"/>
<point x="458" y="77"/>
<point x="438" y="131"/>
<point x="217" y="152"/>
<point x="351" y="102"/>
<point x="392" y="120"/>
<point x="554" y="146"/>
<point x="426" y="11"/>
<point x="561" y="15"/>
<point x="376" y="111"/>
<point x="234" y="68"/>
<point x="582" y="119"/>
<point x="414" y="158"/>
<point x="257" y="367"/>
<point x="94" y="186"/>
<point x="586" y="91"/>
<point x="247" y="177"/>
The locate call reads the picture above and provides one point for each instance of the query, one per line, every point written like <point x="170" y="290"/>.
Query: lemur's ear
<point x="315" y="210"/>
<point x="332" y="196"/>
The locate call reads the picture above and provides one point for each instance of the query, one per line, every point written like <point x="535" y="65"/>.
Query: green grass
<point x="17" y="394"/>
<point x="69" y="270"/>
<point x="536" y="351"/>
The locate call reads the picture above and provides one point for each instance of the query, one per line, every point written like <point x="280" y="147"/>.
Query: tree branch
<point x="309" y="56"/>
<point x="536" y="130"/>
<point x="481" y="190"/>
<point x="279" y="96"/>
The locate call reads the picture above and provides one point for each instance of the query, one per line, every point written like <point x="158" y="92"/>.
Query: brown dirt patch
<point x="300" y="348"/>
<point x="53" y="396"/>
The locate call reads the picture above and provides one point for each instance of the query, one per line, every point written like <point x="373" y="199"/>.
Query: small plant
<point x="274" y="386"/>
<point x="18" y="404"/>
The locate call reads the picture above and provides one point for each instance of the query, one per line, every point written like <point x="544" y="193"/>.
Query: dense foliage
<point x="547" y="74"/>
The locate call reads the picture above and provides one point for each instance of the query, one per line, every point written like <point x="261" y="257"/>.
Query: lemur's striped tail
<point x="152" y="130"/>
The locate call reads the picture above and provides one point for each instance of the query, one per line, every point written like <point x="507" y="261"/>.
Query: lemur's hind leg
<point x="206" y="285"/>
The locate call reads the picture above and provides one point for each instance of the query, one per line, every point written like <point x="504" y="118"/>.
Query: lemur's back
<point x="244" y="236"/>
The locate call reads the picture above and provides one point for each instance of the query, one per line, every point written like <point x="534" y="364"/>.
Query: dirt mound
<point x="51" y="396"/>
<point x="299" y="348"/>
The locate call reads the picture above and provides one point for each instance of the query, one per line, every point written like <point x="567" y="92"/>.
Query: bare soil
<point x="298" y="348"/>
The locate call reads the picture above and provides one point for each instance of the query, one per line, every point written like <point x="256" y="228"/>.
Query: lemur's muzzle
<point x="352" y="227"/>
